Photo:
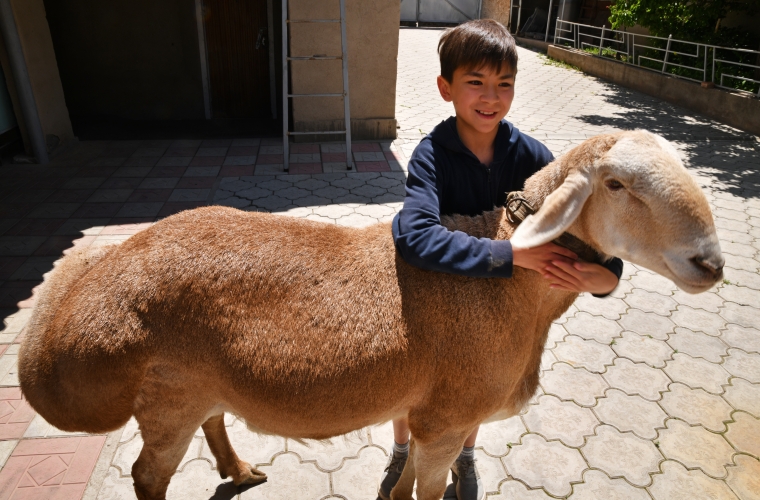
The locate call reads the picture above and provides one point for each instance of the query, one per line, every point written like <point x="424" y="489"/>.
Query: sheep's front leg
<point x="405" y="485"/>
<point x="227" y="460"/>
<point x="432" y="461"/>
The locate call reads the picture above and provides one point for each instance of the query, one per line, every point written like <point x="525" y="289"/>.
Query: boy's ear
<point x="557" y="213"/>
<point x="444" y="88"/>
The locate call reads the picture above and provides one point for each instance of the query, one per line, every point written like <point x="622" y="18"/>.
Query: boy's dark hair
<point x="474" y="44"/>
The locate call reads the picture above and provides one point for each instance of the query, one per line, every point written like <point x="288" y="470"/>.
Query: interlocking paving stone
<point x="740" y="295"/>
<point x="652" y="282"/>
<point x="698" y="345"/>
<point x="698" y="320"/>
<point x="555" y="419"/>
<point x="647" y="324"/>
<point x="287" y="478"/>
<point x="745" y="395"/>
<point x="355" y="478"/>
<point x="592" y="327"/>
<point x="636" y="379"/>
<point x="744" y="433"/>
<point x="589" y="354"/>
<point x="541" y="464"/>
<point x="747" y="316"/>
<point x="630" y="413"/>
<point x="642" y="349"/>
<point x="622" y="455"/>
<point x="744" y="478"/>
<point x="495" y="437"/>
<point x="510" y="490"/>
<point x="741" y="364"/>
<point x="677" y="483"/>
<point x="696" y="372"/>
<point x="576" y="384"/>
<point x="696" y="447"/>
<point x="651" y="302"/>
<point x="697" y="407"/>
<point x="597" y="486"/>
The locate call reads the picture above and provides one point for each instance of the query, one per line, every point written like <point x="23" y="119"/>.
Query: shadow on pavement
<point x="727" y="155"/>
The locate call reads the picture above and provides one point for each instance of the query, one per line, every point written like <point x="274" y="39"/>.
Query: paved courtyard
<point x="648" y="394"/>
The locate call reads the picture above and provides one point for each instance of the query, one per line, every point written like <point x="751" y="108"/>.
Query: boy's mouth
<point x="487" y="114"/>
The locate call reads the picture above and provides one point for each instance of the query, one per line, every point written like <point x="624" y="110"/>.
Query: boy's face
<point x="481" y="96"/>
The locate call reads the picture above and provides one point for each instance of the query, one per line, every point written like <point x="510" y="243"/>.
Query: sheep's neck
<point x="538" y="187"/>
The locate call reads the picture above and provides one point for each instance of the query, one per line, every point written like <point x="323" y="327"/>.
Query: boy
<point x="467" y="165"/>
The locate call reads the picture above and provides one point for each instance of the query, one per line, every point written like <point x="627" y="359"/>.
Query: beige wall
<point x="43" y="71"/>
<point x="372" y="32"/>
<point x="497" y="9"/>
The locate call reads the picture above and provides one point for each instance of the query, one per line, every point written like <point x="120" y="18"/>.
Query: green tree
<point x="693" y="20"/>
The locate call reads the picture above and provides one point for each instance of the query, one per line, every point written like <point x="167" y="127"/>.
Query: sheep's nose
<point x="711" y="264"/>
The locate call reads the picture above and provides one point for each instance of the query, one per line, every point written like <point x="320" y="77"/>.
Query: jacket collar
<point x="445" y="134"/>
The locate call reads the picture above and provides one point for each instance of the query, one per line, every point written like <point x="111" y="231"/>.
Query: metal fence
<point x="728" y="68"/>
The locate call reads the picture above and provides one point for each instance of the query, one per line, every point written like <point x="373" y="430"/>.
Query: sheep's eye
<point x="613" y="185"/>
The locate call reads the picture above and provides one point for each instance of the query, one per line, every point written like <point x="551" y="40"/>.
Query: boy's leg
<point x="397" y="459"/>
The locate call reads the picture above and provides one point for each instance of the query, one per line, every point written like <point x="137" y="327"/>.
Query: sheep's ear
<point x="559" y="210"/>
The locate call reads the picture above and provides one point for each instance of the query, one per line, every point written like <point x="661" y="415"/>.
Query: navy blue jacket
<point x="447" y="178"/>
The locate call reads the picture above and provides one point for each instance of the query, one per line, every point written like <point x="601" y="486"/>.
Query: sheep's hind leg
<point x="165" y="441"/>
<point x="227" y="460"/>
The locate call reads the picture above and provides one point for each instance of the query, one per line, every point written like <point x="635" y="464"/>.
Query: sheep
<point x="308" y="330"/>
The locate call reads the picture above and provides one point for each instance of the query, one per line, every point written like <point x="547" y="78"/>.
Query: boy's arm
<point x="424" y="243"/>
<point x="600" y="280"/>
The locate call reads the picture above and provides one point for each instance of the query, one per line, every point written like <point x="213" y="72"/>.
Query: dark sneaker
<point x="467" y="481"/>
<point x="391" y="475"/>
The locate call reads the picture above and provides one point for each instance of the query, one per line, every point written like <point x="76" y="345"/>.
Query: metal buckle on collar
<point x="518" y="208"/>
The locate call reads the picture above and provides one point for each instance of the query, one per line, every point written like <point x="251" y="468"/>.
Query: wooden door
<point x="238" y="70"/>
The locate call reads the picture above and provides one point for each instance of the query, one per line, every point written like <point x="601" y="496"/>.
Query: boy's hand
<point x="540" y="257"/>
<point x="580" y="277"/>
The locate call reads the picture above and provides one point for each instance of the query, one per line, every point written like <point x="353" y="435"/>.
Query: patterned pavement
<point x="649" y="394"/>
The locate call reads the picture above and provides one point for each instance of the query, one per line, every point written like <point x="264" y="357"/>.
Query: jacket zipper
<point x="488" y="185"/>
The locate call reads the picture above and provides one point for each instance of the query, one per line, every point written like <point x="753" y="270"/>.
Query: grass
<point x="550" y="61"/>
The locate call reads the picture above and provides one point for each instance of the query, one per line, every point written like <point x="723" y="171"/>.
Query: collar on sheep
<point x="518" y="208"/>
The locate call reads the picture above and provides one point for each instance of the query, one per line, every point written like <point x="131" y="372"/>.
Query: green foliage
<point x="692" y="20"/>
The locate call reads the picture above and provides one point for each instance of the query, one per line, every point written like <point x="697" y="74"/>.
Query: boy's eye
<point x="475" y="82"/>
<point x="505" y="84"/>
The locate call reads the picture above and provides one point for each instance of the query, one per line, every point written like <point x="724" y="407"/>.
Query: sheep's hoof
<point x="249" y="475"/>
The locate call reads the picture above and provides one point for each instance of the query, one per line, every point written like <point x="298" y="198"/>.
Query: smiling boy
<point x="467" y="165"/>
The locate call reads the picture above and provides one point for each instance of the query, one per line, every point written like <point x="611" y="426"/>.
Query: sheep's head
<point x="629" y="195"/>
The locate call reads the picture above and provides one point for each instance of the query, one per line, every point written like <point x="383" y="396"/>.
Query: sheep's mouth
<point x="696" y="279"/>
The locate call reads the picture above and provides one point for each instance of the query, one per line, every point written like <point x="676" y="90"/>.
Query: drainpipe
<point x="22" y="81"/>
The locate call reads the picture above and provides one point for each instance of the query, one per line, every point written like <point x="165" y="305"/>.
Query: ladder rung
<point x="318" y="133"/>
<point x="316" y="95"/>
<point x="313" y="21"/>
<point x="314" y="58"/>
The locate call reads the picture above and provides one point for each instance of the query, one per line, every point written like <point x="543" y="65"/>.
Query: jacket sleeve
<point x="425" y="243"/>
<point x="615" y="265"/>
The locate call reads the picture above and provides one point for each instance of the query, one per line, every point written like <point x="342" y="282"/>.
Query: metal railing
<point x="693" y="61"/>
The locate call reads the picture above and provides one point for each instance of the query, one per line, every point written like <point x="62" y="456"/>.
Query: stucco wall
<point x="134" y="59"/>
<point x="39" y="54"/>
<point x="496" y="9"/>
<point x="372" y="33"/>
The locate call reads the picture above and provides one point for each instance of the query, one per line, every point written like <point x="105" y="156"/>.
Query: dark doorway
<point x="238" y="59"/>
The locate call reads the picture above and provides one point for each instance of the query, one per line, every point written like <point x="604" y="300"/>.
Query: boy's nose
<point x="490" y="95"/>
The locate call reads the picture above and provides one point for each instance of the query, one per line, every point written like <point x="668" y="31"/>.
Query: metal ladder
<point x="286" y="95"/>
